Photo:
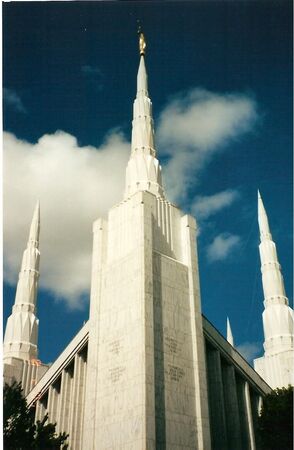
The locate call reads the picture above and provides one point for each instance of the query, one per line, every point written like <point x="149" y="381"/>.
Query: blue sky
<point x="220" y="79"/>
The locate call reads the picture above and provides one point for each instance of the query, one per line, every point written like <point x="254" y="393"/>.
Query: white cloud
<point x="195" y="126"/>
<point x="206" y="206"/>
<point x="222" y="246"/>
<point x="249" y="350"/>
<point x="75" y="185"/>
<point x="78" y="184"/>
<point x="12" y="99"/>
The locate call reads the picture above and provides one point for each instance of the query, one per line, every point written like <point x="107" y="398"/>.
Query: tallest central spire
<point x="142" y="86"/>
<point x="143" y="170"/>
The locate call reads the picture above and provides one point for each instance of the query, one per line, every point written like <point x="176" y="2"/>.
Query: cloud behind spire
<point x="194" y="127"/>
<point x="78" y="184"/>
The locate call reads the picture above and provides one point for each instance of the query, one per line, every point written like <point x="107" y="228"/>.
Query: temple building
<point x="147" y="370"/>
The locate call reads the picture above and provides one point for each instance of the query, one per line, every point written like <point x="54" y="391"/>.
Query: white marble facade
<point x="146" y="349"/>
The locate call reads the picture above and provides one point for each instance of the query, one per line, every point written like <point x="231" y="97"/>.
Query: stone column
<point x="38" y="412"/>
<point x="249" y="417"/>
<point x="216" y="403"/>
<point x="65" y="399"/>
<point x="52" y="403"/>
<point x="41" y="407"/>
<point x="259" y="404"/>
<point x="247" y="431"/>
<point x="231" y="407"/>
<point x="53" y="400"/>
<point x="76" y="413"/>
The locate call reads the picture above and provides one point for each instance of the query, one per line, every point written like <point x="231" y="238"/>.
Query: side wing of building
<point x="235" y="392"/>
<point x="61" y="391"/>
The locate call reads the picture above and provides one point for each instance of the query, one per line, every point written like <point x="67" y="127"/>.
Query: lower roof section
<point x="212" y="338"/>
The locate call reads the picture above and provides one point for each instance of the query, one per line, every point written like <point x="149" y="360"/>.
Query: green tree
<point x="19" y="430"/>
<point x="275" y="424"/>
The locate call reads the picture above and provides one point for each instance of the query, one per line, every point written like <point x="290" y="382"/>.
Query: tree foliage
<point x="19" y="430"/>
<point x="275" y="424"/>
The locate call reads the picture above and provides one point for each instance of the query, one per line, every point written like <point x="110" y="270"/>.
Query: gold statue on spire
<point x="142" y="42"/>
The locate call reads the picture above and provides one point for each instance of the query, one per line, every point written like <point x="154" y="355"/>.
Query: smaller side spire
<point x="230" y="338"/>
<point x="263" y="220"/>
<point x="21" y="334"/>
<point x="278" y="318"/>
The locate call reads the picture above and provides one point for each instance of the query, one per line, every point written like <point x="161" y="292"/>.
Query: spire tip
<point x="35" y="224"/>
<point x="230" y="338"/>
<point x="37" y="209"/>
